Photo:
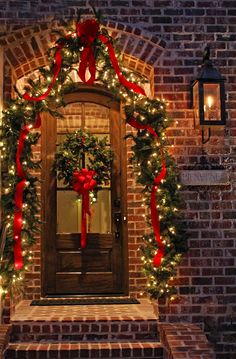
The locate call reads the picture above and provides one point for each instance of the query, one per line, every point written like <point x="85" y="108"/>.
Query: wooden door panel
<point x="89" y="283"/>
<point x="86" y="261"/>
<point x="94" y="241"/>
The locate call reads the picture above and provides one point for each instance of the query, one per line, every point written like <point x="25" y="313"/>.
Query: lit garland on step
<point x="150" y="158"/>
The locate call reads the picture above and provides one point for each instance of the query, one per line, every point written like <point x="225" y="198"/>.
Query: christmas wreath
<point x="83" y="162"/>
<point x="81" y="148"/>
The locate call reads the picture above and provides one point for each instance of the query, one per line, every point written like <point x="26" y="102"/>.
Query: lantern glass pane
<point x="212" y="105"/>
<point x="196" y="103"/>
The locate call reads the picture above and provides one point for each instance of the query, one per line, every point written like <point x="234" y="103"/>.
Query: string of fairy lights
<point x="146" y="161"/>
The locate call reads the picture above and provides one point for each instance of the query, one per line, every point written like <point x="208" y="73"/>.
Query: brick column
<point x="185" y="341"/>
<point x="1" y="108"/>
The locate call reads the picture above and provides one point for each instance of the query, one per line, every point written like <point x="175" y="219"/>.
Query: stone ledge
<point x="185" y="341"/>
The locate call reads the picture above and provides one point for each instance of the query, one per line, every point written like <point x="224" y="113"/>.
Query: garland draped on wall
<point x="86" y="47"/>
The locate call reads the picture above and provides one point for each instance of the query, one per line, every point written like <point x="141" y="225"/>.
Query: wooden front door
<point x="100" y="268"/>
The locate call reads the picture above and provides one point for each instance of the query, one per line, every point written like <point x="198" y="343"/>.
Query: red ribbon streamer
<point x="153" y="202"/>
<point x="87" y="60"/>
<point x="17" y="224"/>
<point x="122" y="79"/>
<point x="57" y="68"/>
<point x="83" y="182"/>
<point x="87" y="31"/>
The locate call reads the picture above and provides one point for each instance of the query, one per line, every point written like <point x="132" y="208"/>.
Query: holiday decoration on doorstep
<point x="86" y="47"/>
<point x="83" y="162"/>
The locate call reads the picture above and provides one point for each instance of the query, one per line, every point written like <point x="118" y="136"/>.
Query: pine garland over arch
<point x="86" y="45"/>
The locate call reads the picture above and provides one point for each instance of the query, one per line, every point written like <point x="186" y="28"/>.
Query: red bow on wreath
<point x="83" y="182"/>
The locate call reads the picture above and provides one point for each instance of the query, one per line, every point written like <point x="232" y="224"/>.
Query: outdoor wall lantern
<point x="208" y="97"/>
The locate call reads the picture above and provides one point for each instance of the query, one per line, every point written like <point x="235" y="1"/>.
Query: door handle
<point x="117" y="219"/>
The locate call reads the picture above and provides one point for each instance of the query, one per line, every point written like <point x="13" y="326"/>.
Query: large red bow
<point x="87" y="31"/>
<point x="83" y="182"/>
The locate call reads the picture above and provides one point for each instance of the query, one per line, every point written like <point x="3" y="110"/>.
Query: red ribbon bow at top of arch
<point x="87" y="31"/>
<point x="83" y="182"/>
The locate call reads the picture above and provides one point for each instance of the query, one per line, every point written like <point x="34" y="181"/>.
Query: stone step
<point x="123" y="329"/>
<point x="134" y="350"/>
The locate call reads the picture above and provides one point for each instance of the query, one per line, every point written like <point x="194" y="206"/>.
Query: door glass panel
<point x="69" y="213"/>
<point x="100" y="220"/>
<point x="94" y="118"/>
<point x="72" y="118"/>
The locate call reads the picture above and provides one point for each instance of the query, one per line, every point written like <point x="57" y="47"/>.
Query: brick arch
<point x="25" y="48"/>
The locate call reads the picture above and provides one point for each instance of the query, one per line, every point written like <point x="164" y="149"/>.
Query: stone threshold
<point x="100" y="312"/>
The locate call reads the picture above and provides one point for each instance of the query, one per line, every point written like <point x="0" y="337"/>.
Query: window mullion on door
<point x="82" y="128"/>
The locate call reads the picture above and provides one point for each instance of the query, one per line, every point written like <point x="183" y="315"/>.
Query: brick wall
<point x="164" y="40"/>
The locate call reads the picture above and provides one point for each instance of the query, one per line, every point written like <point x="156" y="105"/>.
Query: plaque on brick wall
<point x="204" y="177"/>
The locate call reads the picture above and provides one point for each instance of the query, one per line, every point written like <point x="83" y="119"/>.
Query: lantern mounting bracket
<point x="205" y="140"/>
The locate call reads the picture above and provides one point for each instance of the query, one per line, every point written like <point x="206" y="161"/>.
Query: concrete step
<point x="134" y="350"/>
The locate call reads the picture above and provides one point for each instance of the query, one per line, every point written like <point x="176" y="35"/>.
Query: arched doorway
<point x="100" y="268"/>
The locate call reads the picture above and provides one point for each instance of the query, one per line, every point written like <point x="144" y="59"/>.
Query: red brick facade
<point x="164" y="41"/>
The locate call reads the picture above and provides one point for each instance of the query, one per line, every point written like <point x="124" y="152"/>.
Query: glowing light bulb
<point x="209" y="101"/>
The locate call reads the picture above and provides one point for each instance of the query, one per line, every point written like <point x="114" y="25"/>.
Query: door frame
<point x="99" y="95"/>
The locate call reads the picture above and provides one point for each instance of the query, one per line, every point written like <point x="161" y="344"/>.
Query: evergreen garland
<point x="146" y="160"/>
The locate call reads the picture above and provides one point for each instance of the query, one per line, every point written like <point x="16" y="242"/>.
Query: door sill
<point x="102" y="295"/>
